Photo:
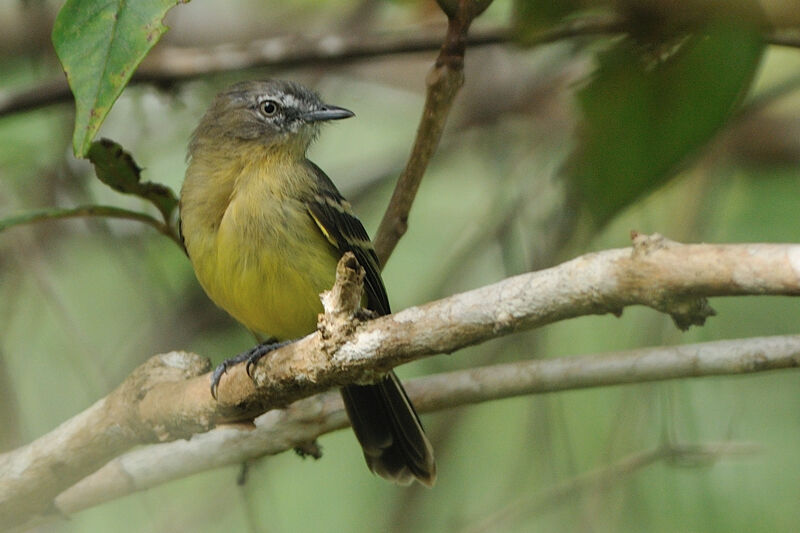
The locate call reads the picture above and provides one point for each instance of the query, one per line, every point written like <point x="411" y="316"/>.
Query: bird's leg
<point x="251" y="356"/>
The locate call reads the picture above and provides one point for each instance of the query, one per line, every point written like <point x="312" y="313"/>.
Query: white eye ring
<point x="268" y="108"/>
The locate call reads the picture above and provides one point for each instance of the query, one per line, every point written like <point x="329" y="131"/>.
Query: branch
<point x="661" y="274"/>
<point x="31" y="476"/>
<point x="443" y="83"/>
<point x="105" y="211"/>
<point x="604" y="477"/>
<point x="167" y="398"/>
<point x="784" y="37"/>
<point x="306" y="420"/>
<point x="168" y="65"/>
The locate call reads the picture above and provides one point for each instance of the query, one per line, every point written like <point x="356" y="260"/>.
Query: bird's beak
<point x="327" y="112"/>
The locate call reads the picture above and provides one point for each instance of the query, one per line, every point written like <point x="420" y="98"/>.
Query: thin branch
<point x="106" y="211"/>
<point x="602" y="478"/>
<point x="719" y="358"/>
<point x="168" y="397"/>
<point x="54" y="91"/>
<point x="443" y="83"/>
<point x="170" y="64"/>
<point x="167" y="65"/>
<point x="784" y="37"/>
<point x="306" y="420"/>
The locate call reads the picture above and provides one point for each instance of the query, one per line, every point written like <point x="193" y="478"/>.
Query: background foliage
<point x="689" y="126"/>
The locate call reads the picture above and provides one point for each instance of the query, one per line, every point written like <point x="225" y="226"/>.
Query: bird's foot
<point x="251" y="356"/>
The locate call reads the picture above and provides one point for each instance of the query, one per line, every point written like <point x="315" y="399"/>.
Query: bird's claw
<point x="248" y="367"/>
<point x="251" y="357"/>
<point x="258" y="352"/>
<point x="216" y="376"/>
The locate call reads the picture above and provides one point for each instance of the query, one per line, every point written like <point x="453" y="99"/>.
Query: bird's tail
<point x="390" y="433"/>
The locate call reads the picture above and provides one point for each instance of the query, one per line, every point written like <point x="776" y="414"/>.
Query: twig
<point x="106" y="211"/>
<point x="784" y="37"/>
<point x="54" y="91"/>
<point x="443" y="83"/>
<point x="168" y="65"/>
<point x="603" y="477"/>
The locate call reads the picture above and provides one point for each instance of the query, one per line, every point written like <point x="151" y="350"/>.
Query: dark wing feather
<point x="342" y="228"/>
<point x="384" y="421"/>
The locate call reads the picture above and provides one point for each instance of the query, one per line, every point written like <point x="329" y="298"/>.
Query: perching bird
<point x="264" y="228"/>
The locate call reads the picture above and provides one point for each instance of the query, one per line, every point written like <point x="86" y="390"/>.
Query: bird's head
<point x="276" y="114"/>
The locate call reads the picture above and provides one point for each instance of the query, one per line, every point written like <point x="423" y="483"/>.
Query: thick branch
<point x="161" y="401"/>
<point x="304" y="421"/>
<point x="658" y="273"/>
<point x="33" y="475"/>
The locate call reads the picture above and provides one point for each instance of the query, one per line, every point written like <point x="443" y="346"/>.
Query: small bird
<point x="264" y="228"/>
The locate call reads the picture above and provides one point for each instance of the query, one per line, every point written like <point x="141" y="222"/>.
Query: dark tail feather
<point x="390" y="433"/>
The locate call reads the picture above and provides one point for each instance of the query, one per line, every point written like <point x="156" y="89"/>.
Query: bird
<point x="264" y="228"/>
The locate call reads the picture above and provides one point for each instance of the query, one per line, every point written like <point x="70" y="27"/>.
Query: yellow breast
<point x="265" y="261"/>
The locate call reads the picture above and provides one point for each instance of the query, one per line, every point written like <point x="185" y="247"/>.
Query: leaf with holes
<point x="100" y="43"/>
<point x="116" y="168"/>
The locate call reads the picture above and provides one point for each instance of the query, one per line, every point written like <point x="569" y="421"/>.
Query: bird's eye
<point x="268" y="107"/>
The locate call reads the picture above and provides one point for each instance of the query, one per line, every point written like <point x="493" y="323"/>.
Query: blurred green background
<point x="539" y="163"/>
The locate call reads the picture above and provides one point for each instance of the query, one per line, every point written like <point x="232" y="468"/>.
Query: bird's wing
<point x="335" y="219"/>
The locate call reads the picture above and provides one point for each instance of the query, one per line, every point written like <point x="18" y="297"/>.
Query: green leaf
<point x="644" y="115"/>
<point x="116" y="168"/>
<point x="100" y="43"/>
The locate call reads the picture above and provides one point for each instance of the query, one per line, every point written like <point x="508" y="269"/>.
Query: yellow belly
<point x="266" y="267"/>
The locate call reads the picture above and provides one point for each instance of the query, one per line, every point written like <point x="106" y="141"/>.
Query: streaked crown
<point x="274" y="113"/>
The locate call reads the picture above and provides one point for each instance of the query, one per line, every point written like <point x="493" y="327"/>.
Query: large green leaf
<point x="100" y="43"/>
<point x="643" y="115"/>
